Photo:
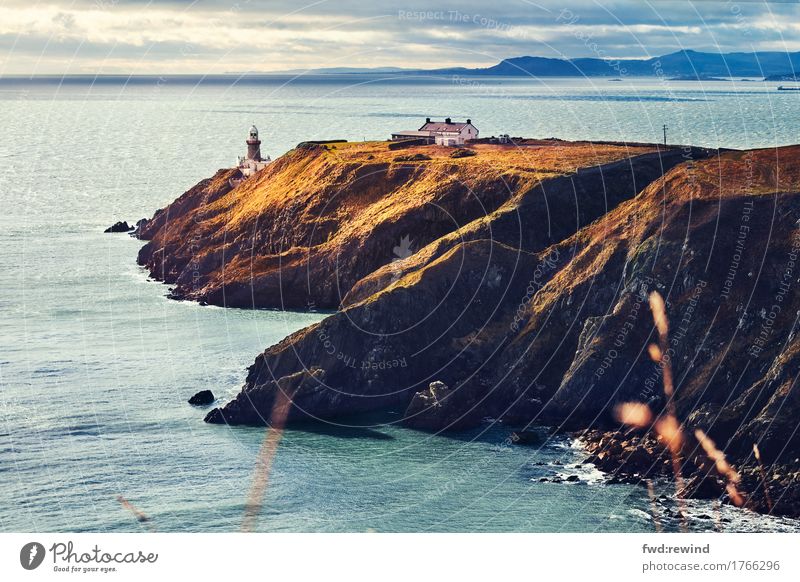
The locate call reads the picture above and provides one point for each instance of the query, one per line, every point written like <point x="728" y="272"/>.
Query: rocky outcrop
<point x="379" y="353"/>
<point x="429" y="409"/>
<point x="450" y="312"/>
<point x="318" y="220"/>
<point x="524" y="295"/>
<point x="202" y="398"/>
<point x="120" y="226"/>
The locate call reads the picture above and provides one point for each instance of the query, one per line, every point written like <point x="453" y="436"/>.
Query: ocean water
<point x="96" y="364"/>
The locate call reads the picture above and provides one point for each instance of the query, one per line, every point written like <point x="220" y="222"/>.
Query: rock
<point x="215" y="416"/>
<point x="139" y="228"/>
<point x="412" y="158"/>
<point x="120" y="226"/>
<point x="573" y="479"/>
<point x="375" y="357"/>
<point x="523" y="411"/>
<point x="462" y="153"/>
<point x="438" y="408"/>
<point x="202" y="398"/>
<point x="526" y="437"/>
<point x="255" y="407"/>
<point x="703" y="487"/>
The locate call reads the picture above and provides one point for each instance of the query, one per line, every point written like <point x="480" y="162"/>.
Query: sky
<point x="233" y="36"/>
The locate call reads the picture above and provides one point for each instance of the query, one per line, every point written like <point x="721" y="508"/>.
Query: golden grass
<point x="634" y="414"/>
<point x="301" y="175"/>
<point x="669" y="429"/>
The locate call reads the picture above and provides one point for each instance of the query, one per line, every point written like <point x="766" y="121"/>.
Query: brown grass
<point x="723" y="467"/>
<point x="669" y="429"/>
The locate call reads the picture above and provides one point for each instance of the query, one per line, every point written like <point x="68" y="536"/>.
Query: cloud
<point x="137" y="36"/>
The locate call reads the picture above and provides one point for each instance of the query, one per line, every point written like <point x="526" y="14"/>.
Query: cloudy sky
<point x="217" y="36"/>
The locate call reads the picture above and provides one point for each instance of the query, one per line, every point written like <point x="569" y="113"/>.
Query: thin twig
<point x="139" y="515"/>
<point x="255" y="500"/>
<point x="757" y="454"/>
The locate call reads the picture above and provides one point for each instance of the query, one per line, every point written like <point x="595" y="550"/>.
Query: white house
<point x="445" y="132"/>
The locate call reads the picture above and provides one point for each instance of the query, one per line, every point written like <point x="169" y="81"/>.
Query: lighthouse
<point x="253" y="145"/>
<point x="252" y="162"/>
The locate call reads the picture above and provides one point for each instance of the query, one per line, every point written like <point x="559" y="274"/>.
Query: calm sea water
<point x="96" y="364"/>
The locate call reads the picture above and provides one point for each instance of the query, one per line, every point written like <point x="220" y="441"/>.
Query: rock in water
<point x="526" y="437"/>
<point x="202" y="398"/>
<point x="120" y="226"/>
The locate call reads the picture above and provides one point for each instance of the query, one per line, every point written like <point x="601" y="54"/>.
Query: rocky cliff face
<point x="305" y="230"/>
<point x="452" y="311"/>
<point x="524" y="295"/>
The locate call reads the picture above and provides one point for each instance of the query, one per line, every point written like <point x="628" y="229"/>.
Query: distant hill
<point x="345" y="70"/>
<point x="684" y="64"/>
<point x="784" y="77"/>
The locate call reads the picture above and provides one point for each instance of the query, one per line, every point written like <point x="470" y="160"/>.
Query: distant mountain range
<point x="685" y="64"/>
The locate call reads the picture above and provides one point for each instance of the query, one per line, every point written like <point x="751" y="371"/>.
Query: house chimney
<point x="448" y="120"/>
<point x="469" y="121"/>
<point x="427" y="120"/>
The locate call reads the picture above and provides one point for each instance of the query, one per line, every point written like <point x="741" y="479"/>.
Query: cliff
<point x="524" y="295"/>
<point x="305" y="230"/>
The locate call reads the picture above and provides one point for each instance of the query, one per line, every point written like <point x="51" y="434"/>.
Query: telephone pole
<point x="665" y="134"/>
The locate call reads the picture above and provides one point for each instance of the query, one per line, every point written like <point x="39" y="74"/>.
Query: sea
<point x="97" y="364"/>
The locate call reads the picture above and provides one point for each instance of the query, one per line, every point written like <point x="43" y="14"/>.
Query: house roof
<point x="439" y="126"/>
<point x="413" y="133"/>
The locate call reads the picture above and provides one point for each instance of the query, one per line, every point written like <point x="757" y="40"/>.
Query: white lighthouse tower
<point x="252" y="162"/>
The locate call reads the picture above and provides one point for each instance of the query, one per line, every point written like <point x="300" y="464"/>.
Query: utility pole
<point x="665" y="134"/>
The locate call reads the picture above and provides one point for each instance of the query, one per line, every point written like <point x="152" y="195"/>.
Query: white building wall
<point x="449" y="139"/>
